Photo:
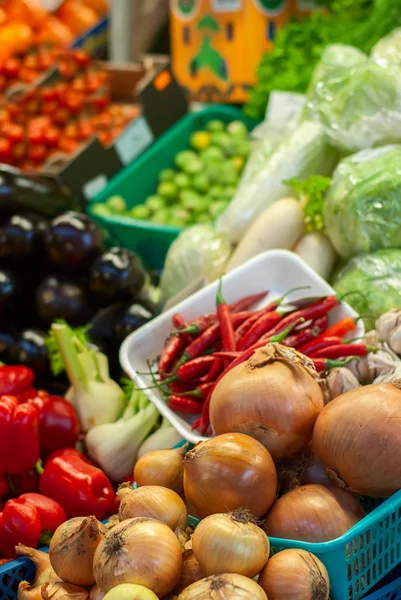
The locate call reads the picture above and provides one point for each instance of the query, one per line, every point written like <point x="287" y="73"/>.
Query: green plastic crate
<point x="139" y="180"/>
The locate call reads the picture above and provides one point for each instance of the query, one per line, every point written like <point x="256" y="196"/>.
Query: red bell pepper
<point x="3" y="487"/>
<point x="19" y="436"/>
<point x="29" y="520"/>
<point x="58" y="424"/>
<point x="22" y="483"/>
<point x="77" y="485"/>
<point x="15" y="379"/>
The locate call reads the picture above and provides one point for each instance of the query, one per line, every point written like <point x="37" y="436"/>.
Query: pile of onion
<point x="228" y="585"/>
<point x="313" y="513"/>
<point x="357" y="438"/>
<point x="295" y="574"/>
<point x="161" y="467"/>
<point x="141" y="551"/>
<point x="229" y="472"/>
<point x="273" y="397"/>
<point x="155" y="502"/>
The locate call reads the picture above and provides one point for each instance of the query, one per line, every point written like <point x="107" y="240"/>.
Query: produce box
<point x="217" y="44"/>
<point x="95" y="40"/>
<point x="140" y="179"/>
<point x="146" y="86"/>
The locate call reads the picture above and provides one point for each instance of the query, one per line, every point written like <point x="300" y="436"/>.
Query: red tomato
<point x="52" y="137"/>
<point x="15" y="133"/>
<point x="11" y="68"/>
<point x="74" y="101"/>
<point x="5" y="149"/>
<point x="71" y="132"/>
<point x="61" y="116"/>
<point x="105" y="137"/>
<point x="37" y="153"/>
<point x="35" y="136"/>
<point x="49" y="108"/>
<point x="19" y="151"/>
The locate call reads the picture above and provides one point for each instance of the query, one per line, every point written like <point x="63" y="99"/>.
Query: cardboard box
<point x="149" y="83"/>
<point x="217" y="44"/>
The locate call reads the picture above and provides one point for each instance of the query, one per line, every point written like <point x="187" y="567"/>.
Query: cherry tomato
<point x="31" y="62"/>
<point x="28" y="75"/>
<point x="5" y="149"/>
<point x="38" y="153"/>
<point x="68" y="69"/>
<point x="19" y="151"/>
<point x="35" y="136"/>
<point x="52" y="137"/>
<point x="49" y="108"/>
<point x="61" y="116"/>
<point x="71" y="131"/>
<point x="78" y="84"/>
<point x="15" y="133"/>
<point x="85" y="130"/>
<point x="81" y="57"/>
<point x="74" y="101"/>
<point x="3" y="83"/>
<point x="105" y="137"/>
<point x="48" y="94"/>
<point x="11" y="68"/>
<point x="68" y="146"/>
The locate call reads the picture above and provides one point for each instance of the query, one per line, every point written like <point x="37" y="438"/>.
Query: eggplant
<point x="6" y="340"/>
<point x="9" y="291"/>
<point x="74" y="241"/>
<point x="22" y="238"/>
<point x="103" y="323"/>
<point x="116" y="276"/>
<point x="133" y="317"/>
<point x="59" y="298"/>
<point x="29" y="349"/>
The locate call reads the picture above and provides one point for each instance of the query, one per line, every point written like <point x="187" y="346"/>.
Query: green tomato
<point x="166" y="175"/>
<point x="212" y="154"/>
<point x="161" y="216"/>
<point x="167" y="190"/>
<point x="215" y="126"/>
<point x="229" y="193"/>
<point x="178" y="223"/>
<point x="101" y="210"/>
<point x="189" y="199"/>
<point x="238" y="129"/>
<point x="215" y="192"/>
<point x="241" y="148"/>
<point x="182" y="181"/>
<point x="238" y="162"/>
<point x="201" y="182"/>
<point x="200" y="140"/>
<point x="213" y="171"/>
<point x="140" y="211"/>
<point x="179" y="213"/>
<point x="229" y="175"/>
<point x="203" y="218"/>
<point x="221" y="140"/>
<point x="116" y="204"/>
<point x="155" y="203"/>
<point x="184" y="157"/>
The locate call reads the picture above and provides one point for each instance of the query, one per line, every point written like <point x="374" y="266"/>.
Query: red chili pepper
<point x="215" y="371"/>
<point x="185" y="405"/>
<point x="26" y="519"/>
<point x="19" y="436"/>
<point x="325" y="364"/>
<point x="246" y="325"/>
<point x="225" y="321"/>
<point x="170" y="353"/>
<point x="341" y="350"/>
<point x="247" y="302"/>
<point x="262" y="325"/>
<point x="298" y="339"/>
<point x="201" y="391"/>
<point x="200" y="324"/>
<point x="194" y="368"/>
<point x="179" y="322"/>
<point x="15" y="379"/>
<point x="325" y="343"/>
<point x="313" y="311"/>
<point x="338" y="329"/>
<point x="58" y="422"/>
<point x="3" y="486"/>
<point x="80" y="488"/>
<point x="228" y="355"/>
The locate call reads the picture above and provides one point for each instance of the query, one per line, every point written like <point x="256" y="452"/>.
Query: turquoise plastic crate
<point x="139" y="180"/>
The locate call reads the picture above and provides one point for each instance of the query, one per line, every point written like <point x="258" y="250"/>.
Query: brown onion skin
<point x="229" y="586"/>
<point x="190" y="572"/>
<point x="295" y="574"/>
<point x="276" y="402"/>
<point x="313" y="513"/>
<point x="315" y="472"/>
<point x="229" y="472"/>
<point x="357" y="438"/>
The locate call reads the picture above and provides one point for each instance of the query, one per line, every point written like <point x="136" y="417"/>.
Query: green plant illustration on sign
<point x="269" y="6"/>
<point x="208" y="57"/>
<point x="186" y="7"/>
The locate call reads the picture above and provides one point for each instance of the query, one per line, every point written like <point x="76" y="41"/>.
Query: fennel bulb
<point x="97" y="398"/>
<point x="114" y="446"/>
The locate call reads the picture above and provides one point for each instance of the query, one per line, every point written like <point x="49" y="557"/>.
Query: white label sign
<point x="284" y="107"/>
<point x="135" y="139"/>
<point x="223" y="6"/>
<point x="95" y="186"/>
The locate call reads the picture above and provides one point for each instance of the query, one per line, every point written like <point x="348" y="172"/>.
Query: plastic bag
<point x="356" y="100"/>
<point x="304" y="153"/>
<point x="375" y="280"/>
<point x="387" y="52"/>
<point x="199" y="252"/>
<point x="362" y="208"/>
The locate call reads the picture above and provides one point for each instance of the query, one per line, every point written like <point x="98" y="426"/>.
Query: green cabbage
<point x="387" y="51"/>
<point x="357" y="100"/>
<point x="362" y="208"/>
<point x="375" y="280"/>
<point x="198" y="253"/>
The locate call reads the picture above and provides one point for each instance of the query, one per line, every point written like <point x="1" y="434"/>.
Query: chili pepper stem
<point x="280" y="337"/>
<point x="295" y="289"/>
<point x="11" y="484"/>
<point x="39" y="467"/>
<point x="45" y="538"/>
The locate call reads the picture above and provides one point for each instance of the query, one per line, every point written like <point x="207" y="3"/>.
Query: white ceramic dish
<point x="275" y="270"/>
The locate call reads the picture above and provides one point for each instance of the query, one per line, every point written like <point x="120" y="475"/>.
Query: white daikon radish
<point x="316" y="250"/>
<point x="279" y="226"/>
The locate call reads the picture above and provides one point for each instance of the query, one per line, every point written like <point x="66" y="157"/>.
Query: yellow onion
<point x="228" y="586"/>
<point x="28" y="592"/>
<point x="44" y="571"/>
<point x="190" y="571"/>
<point x="141" y="551"/>
<point x="96" y="593"/>
<point x="357" y="438"/>
<point x="161" y="467"/>
<point x="130" y="591"/>
<point x="274" y="397"/>
<point x="313" y="513"/>
<point x="228" y="472"/>
<point x="231" y="543"/>
<point x="155" y="502"/>
<point x="295" y="574"/>
<point x="72" y="549"/>
<point x="59" y="590"/>
<point x="300" y="470"/>
<point x="112" y="521"/>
